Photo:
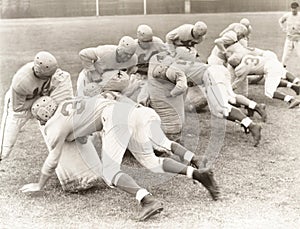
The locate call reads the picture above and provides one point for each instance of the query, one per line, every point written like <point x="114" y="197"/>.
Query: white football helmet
<point x="44" y="108"/>
<point x="159" y="71"/>
<point x="185" y="53"/>
<point x="200" y="28"/>
<point x="45" y="64"/>
<point x="245" y="22"/>
<point x="127" y="45"/>
<point x="114" y="80"/>
<point x="144" y="33"/>
<point x="240" y="30"/>
<point x="234" y="60"/>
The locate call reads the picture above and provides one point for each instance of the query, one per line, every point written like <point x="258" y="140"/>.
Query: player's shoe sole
<point x="294" y="103"/>
<point x="150" y="209"/>
<point x="256" y="133"/>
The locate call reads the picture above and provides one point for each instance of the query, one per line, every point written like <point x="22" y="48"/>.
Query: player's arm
<point x="177" y="76"/>
<point x="227" y="29"/>
<point x="240" y="76"/>
<point x="20" y="103"/>
<point x="171" y="37"/>
<point x="144" y="96"/>
<point x="282" y="22"/>
<point x="88" y="57"/>
<point x="49" y="165"/>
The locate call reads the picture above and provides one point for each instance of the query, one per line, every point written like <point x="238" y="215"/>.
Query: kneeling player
<point x="124" y="125"/>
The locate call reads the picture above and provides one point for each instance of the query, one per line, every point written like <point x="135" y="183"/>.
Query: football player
<point x="96" y="61"/>
<point x="186" y="35"/>
<point x="244" y="21"/>
<point x="124" y="125"/>
<point x="229" y="38"/>
<point x="219" y="93"/>
<point x="29" y="83"/>
<point x="166" y="97"/>
<point x="34" y="79"/>
<point x="269" y="66"/>
<point x="290" y="24"/>
<point x="148" y="45"/>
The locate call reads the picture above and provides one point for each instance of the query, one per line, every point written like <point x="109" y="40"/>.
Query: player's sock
<point x="296" y="88"/>
<point x="171" y="166"/>
<point x="288" y="98"/>
<point x="182" y="152"/>
<point x="126" y="183"/>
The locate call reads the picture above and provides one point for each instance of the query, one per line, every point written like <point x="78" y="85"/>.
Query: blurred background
<point x="74" y="8"/>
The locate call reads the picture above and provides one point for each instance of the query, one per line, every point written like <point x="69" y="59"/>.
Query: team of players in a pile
<point x="132" y="95"/>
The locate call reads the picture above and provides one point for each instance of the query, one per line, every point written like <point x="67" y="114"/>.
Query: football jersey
<point x="27" y="86"/>
<point x="170" y="109"/>
<point x="232" y="27"/>
<point x="193" y="70"/>
<point x="75" y="118"/>
<point x="182" y="36"/>
<point x="251" y="65"/>
<point x="144" y="55"/>
<point x="239" y="49"/>
<point x="292" y="25"/>
<point x="104" y="58"/>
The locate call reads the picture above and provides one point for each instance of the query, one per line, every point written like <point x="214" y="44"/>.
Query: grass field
<point x="260" y="186"/>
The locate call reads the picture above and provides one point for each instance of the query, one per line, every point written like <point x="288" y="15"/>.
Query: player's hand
<point x="31" y="188"/>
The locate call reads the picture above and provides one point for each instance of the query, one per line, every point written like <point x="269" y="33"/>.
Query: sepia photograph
<point x="150" y="114"/>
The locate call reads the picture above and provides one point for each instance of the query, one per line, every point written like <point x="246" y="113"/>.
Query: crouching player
<point x="216" y="80"/>
<point x="269" y="66"/>
<point x="124" y="125"/>
<point x="33" y="80"/>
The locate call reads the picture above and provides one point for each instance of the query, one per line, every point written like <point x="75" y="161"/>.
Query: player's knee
<point x="154" y="164"/>
<point x="111" y="175"/>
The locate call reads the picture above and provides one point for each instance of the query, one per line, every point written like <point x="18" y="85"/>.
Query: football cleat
<point x="294" y="103"/>
<point x="255" y="130"/>
<point x="150" y="207"/>
<point x="261" y="110"/>
<point x="206" y="178"/>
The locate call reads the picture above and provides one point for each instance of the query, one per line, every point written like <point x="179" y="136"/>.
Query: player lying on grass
<point x="97" y="60"/>
<point x="273" y="71"/>
<point x="216" y="81"/>
<point x="123" y="125"/>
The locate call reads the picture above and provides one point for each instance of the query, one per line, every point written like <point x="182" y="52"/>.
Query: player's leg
<point x="287" y="50"/>
<point x="292" y="78"/>
<point x="293" y="102"/>
<point x="237" y="115"/>
<point x="273" y="79"/>
<point x="141" y="147"/>
<point x="11" y="124"/>
<point x="252" y="106"/>
<point x="84" y="172"/>
<point x="115" y="139"/>
<point x="218" y="100"/>
<point x="294" y="87"/>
